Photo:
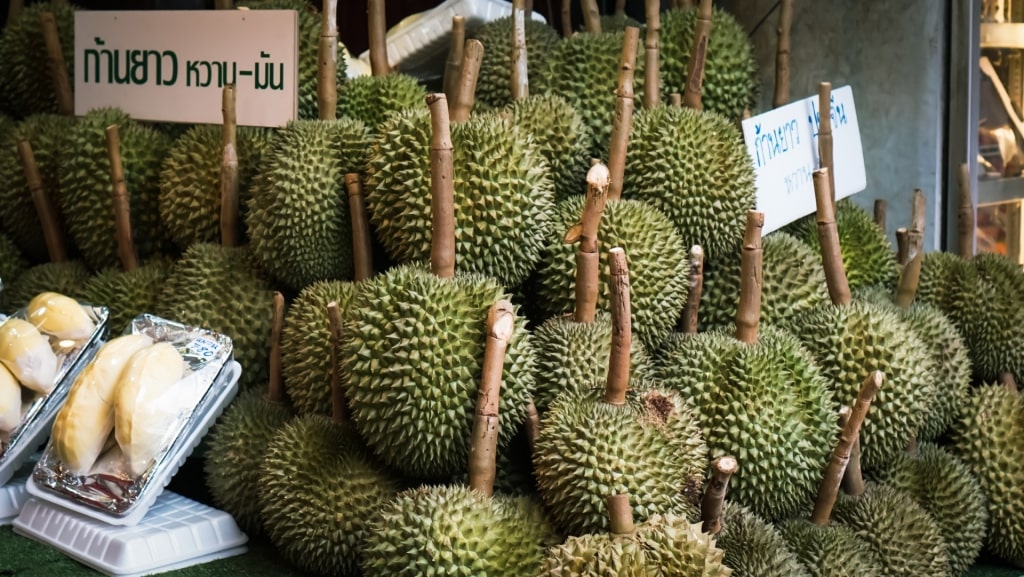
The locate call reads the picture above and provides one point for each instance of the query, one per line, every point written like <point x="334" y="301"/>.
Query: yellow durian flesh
<point x="28" y="355"/>
<point x="86" y="419"/>
<point x="60" y="316"/>
<point x="10" y="400"/>
<point x="145" y="406"/>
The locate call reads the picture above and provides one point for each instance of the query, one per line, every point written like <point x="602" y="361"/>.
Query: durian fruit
<point x="10" y="400"/>
<point x="12" y="264"/>
<point x="25" y="66"/>
<point x="1001" y="271"/>
<point x="627" y="436"/>
<point x="493" y="88"/>
<point x="614" y="22"/>
<point x="6" y="125"/>
<point x="561" y="136"/>
<point x="60" y="316"/>
<point x="28" y="355"/>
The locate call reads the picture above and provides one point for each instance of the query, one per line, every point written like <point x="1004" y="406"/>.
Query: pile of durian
<point x="434" y="294"/>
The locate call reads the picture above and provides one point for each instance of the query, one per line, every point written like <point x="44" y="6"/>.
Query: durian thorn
<point x="378" y="38"/>
<point x="229" y="121"/>
<point x="453" y="65"/>
<point x="122" y="206"/>
<point x="339" y="408"/>
<point x="484" y="444"/>
<point x="623" y="118"/>
<point x="520" y="77"/>
<point x="1007" y="380"/>
<point x="58" y="68"/>
<point x="588" y="255"/>
<point x="675" y="100"/>
<point x="622" y="330"/>
<point x="327" y="63"/>
<point x="442" y="189"/>
<point x="230" y="233"/>
<point x="781" y="96"/>
<point x="362" y="251"/>
<point x="620" y="514"/>
<point x="828" y="237"/>
<point x="748" y="310"/>
<point x="566" y="18"/>
<point x="652" y="61"/>
<point x="691" y="313"/>
<point x="902" y="246"/>
<point x="591" y="16"/>
<point x="532" y="424"/>
<point x="965" y="213"/>
<point x="620" y="7"/>
<point x="698" y="57"/>
<point x="722" y="470"/>
<point x="880" y="209"/>
<point x="825" y="135"/>
<point x="44" y="205"/>
<point x="14" y="10"/>
<point x="462" y="107"/>
<point x="275" y="388"/>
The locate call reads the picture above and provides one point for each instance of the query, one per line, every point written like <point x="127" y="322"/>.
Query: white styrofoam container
<point x="177" y="532"/>
<point x="12" y="497"/>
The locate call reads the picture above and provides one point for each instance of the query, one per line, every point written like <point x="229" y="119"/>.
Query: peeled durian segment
<point x="86" y="419"/>
<point x="28" y="355"/>
<point x="10" y="400"/>
<point x="60" y="316"/>
<point x="145" y="406"/>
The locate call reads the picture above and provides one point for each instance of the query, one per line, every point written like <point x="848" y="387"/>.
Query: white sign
<point x="172" y="65"/>
<point x="783" y="145"/>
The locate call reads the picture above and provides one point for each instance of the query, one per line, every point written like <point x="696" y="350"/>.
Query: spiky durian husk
<point x="190" y="180"/>
<point x="85" y="186"/>
<point x="905" y="538"/>
<point x="371" y="99"/>
<point x="767" y="404"/>
<point x="570" y="352"/>
<point x="24" y="64"/>
<point x="694" y="167"/>
<point x="128" y="294"/>
<point x="658" y="265"/>
<point x="596" y="555"/>
<point x="650" y="448"/>
<point x="1000" y="270"/>
<point x="827" y="551"/>
<point x="218" y="288"/>
<point x="412" y="359"/>
<point x="306" y="345"/>
<point x="793" y="281"/>
<point x="730" y="71"/>
<point x="561" y="136"/>
<point x="583" y="69"/>
<point x="236" y="448"/>
<point x="847" y="342"/>
<point x="12" y="264"/>
<point x="868" y="256"/>
<point x="494" y="87"/>
<point x="503" y="194"/>
<point x="6" y="125"/>
<point x="317" y="491"/>
<point x="754" y="547"/>
<point x="614" y="23"/>
<point x="67" y="278"/>
<point x="987" y="438"/>
<point x="47" y="134"/>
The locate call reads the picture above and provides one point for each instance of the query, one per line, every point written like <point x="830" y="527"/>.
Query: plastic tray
<point x="178" y="532"/>
<point x="12" y="497"/>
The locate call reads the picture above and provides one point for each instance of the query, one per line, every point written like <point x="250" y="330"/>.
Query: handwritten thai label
<point x="783" y="146"/>
<point x="171" y="66"/>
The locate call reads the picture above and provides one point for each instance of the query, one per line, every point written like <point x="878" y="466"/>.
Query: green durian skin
<point x="411" y="363"/>
<point x="650" y="448"/>
<point x="190" y="183"/>
<point x="7" y="125"/>
<point x="300" y="227"/>
<point x="755" y="548"/>
<point x="986" y="438"/>
<point x="562" y="137"/>
<point x="24" y="64"/>
<point x="503" y="194"/>
<point x="905" y="538"/>
<point x="694" y="167"/>
<point x="237" y="446"/>
<point x="793" y="281"/>
<point x="658" y="266"/>
<point x="67" y="278"/>
<point x="597" y="555"/>
<point x="371" y="99"/>
<point x="767" y="404"/>
<point x="826" y="550"/>
<point x="12" y="264"/>
<point x="317" y="492"/>
<point x="128" y="294"/>
<point x="494" y="84"/>
<point x="306" y="345"/>
<point x="86" y="190"/>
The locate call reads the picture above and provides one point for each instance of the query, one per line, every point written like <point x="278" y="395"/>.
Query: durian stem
<point x="362" y="251"/>
<point x="965" y="214"/>
<point x="691" y="314"/>
<point x="453" y="65"/>
<point x="902" y="246"/>
<point x="14" y="10"/>
<point x="483" y="448"/>
<point x="623" y="112"/>
<point x="1008" y="381"/>
<point x="722" y="469"/>
<point x="622" y="329"/>
<point x="230" y="231"/>
<point x="327" y="64"/>
<point x="782" y="51"/>
<point x="912" y="447"/>
<point x="223" y="5"/>
<point x="588" y="262"/>
<point x="378" y="38"/>
<point x="853" y="478"/>
<point x="122" y="207"/>
<point x="620" y="7"/>
<point x="468" y="75"/>
<point x="442" y="189"/>
<point x="566" y="18"/>
<point x="652" y="60"/>
<point x="532" y="424"/>
<point x="58" y="68"/>
<point x="620" y="514"/>
<point x="748" y="311"/>
<point x="339" y="408"/>
<point x="275" y="385"/>
<point x="828" y="236"/>
<point x="829" y="488"/>
<point x="880" y="209"/>
<point x="910" y="276"/>
<point x="591" y="16"/>
<point x="675" y="100"/>
<point x="229" y="120"/>
<point x="825" y="135"/>
<point x="528" y="8"/>
<point x="520" y="79"/>
<point x="45" y="209"/>
<point x="698" y="57"/>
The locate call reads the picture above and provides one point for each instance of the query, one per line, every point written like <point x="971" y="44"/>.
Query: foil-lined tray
<point x="109" y="492"/>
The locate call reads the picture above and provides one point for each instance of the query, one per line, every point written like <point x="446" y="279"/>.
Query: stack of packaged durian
<point x="523" y="323"/>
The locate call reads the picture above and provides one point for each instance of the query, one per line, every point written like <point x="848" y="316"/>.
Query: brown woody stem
<point x="588" y="261"/>
<point x="528" y="7"/>
<point x="58" y="68"/>
<point x="483" y="448"/>
<point x="591" y="16"/>
<point x="853" y="478"/>
<point x="14" y="10"/>
<point x="781" y="96"/>
<point x="880" y="209"/>
<point x="462" y="107"/>
<point x="828" y="236"/>
<point x="122" y="205"/>
<point x="45" y="209"/>
<point x="620" y="7"/>
<point x="230" y="229"/>
<point x="652" y="60"/>
<point x="825" y="135"/>
<point x="532" y="424"/>
<point x="837" y="466"/>
<point x="223" y="4"/>
<point x="456" y="50"/>
<point x="713" y="503"/>
<point x="275" y="384"/>
<point x="442" y="189"/>
<point x="620" y="514"/>
<point x="378" y="38"/>
<point x="965" y="214"/>
<point x="339" y="408"/>
<point x="622" y="330"/>
<point x="902" y="246"/>
<point x="623" y="112"/>
<point x="566" y="18"/>
<point x="362" y="251"/>
<point x="748" y="311"/>
<point x="691" y="314"/>
<point x="327" y="64"/>
<point x="910" y="276"/>
<point x="520" y="79"/>
<point x="675" y="100"/>
<point x="229" y="121"/>
<point x="1007" y="380"/>
<point x="698" y="57"/>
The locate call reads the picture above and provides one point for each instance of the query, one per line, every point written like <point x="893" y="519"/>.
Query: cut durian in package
<point x="133" y="416"/>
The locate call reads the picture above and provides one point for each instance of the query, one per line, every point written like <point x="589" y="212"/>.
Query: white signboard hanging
<point x="172" y="65"/>
<point x="783" y="145"/>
